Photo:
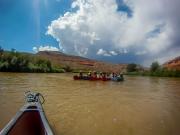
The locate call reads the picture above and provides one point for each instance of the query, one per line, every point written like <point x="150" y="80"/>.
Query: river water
<point x="137" y="106"/>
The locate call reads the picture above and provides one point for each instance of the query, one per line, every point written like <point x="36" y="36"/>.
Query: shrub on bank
<point x="158" y="73"/>
<point x="155" y="70"/>
<point x="18" y="62"/>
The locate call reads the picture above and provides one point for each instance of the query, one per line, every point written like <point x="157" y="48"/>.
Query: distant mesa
<point x="78" y="62"/>
<point x="173" y="64"/>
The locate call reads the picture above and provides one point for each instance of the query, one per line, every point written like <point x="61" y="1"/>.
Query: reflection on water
<point x="137" y="106"/>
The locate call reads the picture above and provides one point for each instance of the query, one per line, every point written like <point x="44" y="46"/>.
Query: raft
<point x="116" y="79"/>
<point x="90" y="78"/>
<point x="30" y="119"/>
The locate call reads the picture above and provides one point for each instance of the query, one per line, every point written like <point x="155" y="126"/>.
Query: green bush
<point x="19" y="62"/>
<point x="67" y="68"/>
<point x="58" y="70"/>
<point x="155" y="66"/>
<point x="155" y="70"/>
<point x="131" y="67"/>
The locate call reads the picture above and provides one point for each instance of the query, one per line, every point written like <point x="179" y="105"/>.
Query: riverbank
<point x="159" y="73"/>
<point x="53" y="61"/>
<point x="27" y="63"/>
<point x="12" y="61"/>
<point x="154" y="70"/>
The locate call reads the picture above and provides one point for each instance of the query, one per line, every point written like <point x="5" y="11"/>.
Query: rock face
<point x="173" y="64"/>
<point x="77" y="62"/>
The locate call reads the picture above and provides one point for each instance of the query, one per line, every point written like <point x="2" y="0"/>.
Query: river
<point x="137" y="106"/>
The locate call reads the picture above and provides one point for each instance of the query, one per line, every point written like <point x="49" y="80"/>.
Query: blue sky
<point x="120" y="31"/>
<point x="24" y="22"/>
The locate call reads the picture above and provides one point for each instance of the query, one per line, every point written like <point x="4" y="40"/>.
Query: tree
<point x="49" y="65"/>
<point x="155" y="66"/>
<point x="67" y="68"/>
<point x="131" y="67"/>
<point x="1" y="50"/>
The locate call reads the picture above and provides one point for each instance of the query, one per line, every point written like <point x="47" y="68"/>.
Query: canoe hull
<point x="29" y="120"/>
<point x="29" y="123"/>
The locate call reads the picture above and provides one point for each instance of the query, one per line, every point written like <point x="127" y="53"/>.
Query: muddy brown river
<point x="137" y="106"/>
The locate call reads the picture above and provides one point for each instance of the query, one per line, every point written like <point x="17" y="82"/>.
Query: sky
<point x="118" y="31"/>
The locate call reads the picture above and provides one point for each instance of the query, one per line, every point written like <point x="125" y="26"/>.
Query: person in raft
<point x="100" y="75"/>
<point x="94" y="74"/>
<point x="90" y="74"/>
<point x="113" y="75"/>
<point x="104" y="75"/>
<point x="80" y="75"/>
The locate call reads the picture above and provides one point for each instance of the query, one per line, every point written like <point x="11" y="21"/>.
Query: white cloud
<point x="82" y="51"/>
<point x="110" y="53"/>
<point x="103" y="52"/>
<point x="35" y="49"/>
<point x="152" y="28"/>
<point x="45" y="48"/>
<point x="113" y="53"/>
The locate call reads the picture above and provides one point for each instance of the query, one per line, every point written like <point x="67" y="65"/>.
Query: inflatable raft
<point x="116" y="79"/>
<point x="90" y="78"/>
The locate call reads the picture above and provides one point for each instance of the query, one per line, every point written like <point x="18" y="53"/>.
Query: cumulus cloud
<point x="113" y="53"/>
<point x="151" y="30"/>
<point x="45" y="48"/>
<point x="103" y="52"/>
